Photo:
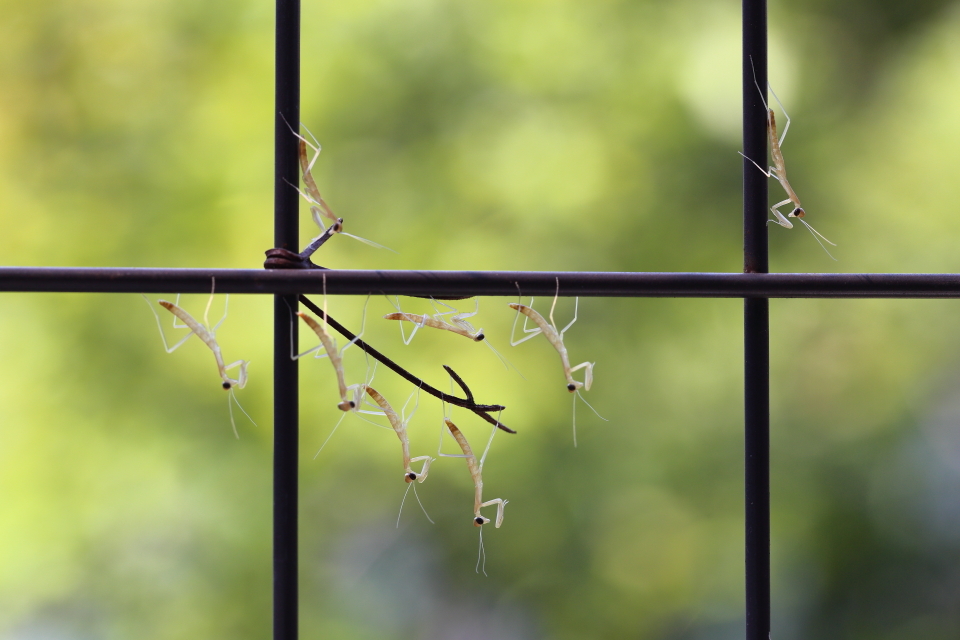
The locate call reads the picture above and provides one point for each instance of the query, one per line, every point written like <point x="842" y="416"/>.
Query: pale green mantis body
<point x="779" y="171"/>
<point x="208" y="335"/>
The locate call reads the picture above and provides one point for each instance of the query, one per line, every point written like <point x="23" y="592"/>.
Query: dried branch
<point x="482" y="410"/>
<point x="459" y="381"/>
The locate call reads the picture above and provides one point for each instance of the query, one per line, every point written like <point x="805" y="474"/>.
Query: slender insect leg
<point x="553" y="306"/>
<point x="785" y="114"/>
<point x="363" y="324"/>
<point x="532" y="332"/>
<point x="780" y="219"/>
<point x="160" y="327"/>
<point x="500" y="505"/>
<point x="576" y="306"/>
<point x="769" y="173"/>
<point x="588" y="374"/>
<point x="427" y="460"/>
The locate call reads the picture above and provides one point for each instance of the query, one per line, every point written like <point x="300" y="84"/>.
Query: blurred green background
<point x="520" y="134"/>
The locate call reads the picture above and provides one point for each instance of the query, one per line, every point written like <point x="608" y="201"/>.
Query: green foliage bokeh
<point x="521" y="134"/>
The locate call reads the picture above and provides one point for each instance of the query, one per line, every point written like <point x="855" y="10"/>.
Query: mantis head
<point x="797" y="213"/>
<point x="359" y="390"/>
<point x="410" y="475"/>
<point x="230" y="383"/>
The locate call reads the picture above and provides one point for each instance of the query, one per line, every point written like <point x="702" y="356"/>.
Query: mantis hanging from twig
<point x="482" y="410"/>
<point x="476" y="470"/>
<point x="399" y="425"/>
<point x="329" y="345"/>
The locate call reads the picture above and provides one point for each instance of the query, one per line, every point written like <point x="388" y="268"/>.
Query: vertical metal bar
<point x="757" y="466"/>
<point x="285" y="371"/>
<point x="756" y="327"/>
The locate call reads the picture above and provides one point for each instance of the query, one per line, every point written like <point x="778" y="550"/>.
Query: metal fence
<point x="754" y="285"/>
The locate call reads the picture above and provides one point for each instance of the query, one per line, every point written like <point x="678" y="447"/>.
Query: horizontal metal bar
<point x="491" y="283"/>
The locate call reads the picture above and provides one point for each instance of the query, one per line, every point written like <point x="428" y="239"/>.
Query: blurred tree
<point x="479" y="135"/>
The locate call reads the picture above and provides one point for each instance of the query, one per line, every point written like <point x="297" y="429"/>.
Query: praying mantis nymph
<point x="400" y="427"/>
<point x="476" y="469"/>
<point x="208" y="335"/>
<point x="329" y="345"/>
<point x="779" y="170"/>
<point x="456" y="324"/>
<point x="318" y="207"/>
<point x="555" y="337"/>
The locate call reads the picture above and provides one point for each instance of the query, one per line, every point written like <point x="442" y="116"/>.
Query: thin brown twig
<point x="482" y="410"/>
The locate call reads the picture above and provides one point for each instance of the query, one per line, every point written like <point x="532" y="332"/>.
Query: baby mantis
<point x="318" y="206"/>
<point x="555" y="337"/>
<point x="359" y="393"/>
<point x="400" y="427"/>
<point x="779" y="170"/>
<point x="208" y="334"/>
<point x="476" y="469"/>
<point x="457" y="324"/>
<point x="329" y="345"/>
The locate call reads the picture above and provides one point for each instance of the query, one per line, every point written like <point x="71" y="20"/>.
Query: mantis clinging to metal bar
<point x="779" y="170"/>
<point x="319" y="209"/>
<point x="456" y="323"/>
<point x="555" y="337"/>
<point x="207" y="334"/>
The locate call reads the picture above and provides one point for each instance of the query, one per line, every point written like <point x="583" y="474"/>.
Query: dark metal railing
<point x="485" y="283"/>
<point x="295" y="275"/>
<point x="756" y="328"/>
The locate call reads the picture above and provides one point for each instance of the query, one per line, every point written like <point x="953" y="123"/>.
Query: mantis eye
<point x="227" y="385"/>
<point x="479" y="522"/>
<point x="410" y="477"/>
<point x="571" y="388"/>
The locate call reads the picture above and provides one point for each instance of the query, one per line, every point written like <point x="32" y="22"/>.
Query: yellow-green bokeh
<point x="533" y="134"/>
